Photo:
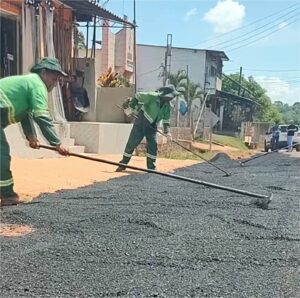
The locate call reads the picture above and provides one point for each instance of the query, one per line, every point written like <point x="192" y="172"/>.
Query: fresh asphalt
<point x="150" y="236"/>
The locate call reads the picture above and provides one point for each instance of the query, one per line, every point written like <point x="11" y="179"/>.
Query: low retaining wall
<point x="101" y="137"/>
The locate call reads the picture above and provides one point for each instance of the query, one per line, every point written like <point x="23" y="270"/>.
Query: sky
<point x="261" y="36"/>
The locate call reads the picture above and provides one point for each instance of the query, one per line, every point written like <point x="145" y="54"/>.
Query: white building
<point x="204" y="66"/>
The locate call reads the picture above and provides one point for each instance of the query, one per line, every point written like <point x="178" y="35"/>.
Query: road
<point x="148" y="236"/>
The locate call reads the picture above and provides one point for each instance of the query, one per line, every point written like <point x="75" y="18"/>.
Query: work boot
<point x="120" y="168"/>
<point x="10" y="201"/>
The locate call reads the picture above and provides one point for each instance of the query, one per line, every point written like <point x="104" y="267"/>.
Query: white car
<point x="282" y="138"/>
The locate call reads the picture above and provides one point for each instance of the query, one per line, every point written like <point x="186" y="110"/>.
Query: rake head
<point x="263" y="203"/>
<point x="227" y="175"/>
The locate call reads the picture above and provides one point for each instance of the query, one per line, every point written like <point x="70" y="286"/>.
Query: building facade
<point x="202" y="66"/>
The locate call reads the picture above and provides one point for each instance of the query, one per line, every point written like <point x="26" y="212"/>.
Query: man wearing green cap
<point x="24" y="98"/>
<point x="150" y="108"/>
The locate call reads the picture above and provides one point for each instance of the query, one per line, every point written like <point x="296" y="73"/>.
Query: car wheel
<point x="297" y="148"/>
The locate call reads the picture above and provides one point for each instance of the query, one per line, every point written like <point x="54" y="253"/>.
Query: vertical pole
<point x="210" y="129"/>
<point x="188" y="97"/>
<point x="167" y="54"/>
<point x="165" y="68"/>
<point x="134" y="46"/>
<point x="169" y="41"/>
<point x="87" y="40"/>
<point x="240" y="81"/>
<point x="93" y="50"/>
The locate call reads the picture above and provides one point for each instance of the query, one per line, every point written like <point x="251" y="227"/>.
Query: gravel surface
<point x="150" y="236"/>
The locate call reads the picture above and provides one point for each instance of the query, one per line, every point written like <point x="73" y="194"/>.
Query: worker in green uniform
<point x="150" y="108"/>
<point x="24" y="98"/>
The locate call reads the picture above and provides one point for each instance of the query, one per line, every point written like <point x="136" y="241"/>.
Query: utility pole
<point x="210" y="128"/>
<point x="240" y="81"/>
<point x="87" y="40"/>
<point x="167" y="66"/>
<point x="134" y="46"/>
<point x="189" y="106"/>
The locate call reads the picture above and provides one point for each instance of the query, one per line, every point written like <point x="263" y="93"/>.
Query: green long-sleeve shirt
<point x="149" y="103"/>
<point x="25" y="98"/>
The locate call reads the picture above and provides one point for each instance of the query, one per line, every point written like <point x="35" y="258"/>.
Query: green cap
<point x="50" y="64"/>
<point x="168" y="91"/>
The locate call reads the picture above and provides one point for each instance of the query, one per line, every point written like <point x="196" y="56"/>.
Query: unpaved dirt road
<point x="148" y="236"/>
<point x="39" y="176"/>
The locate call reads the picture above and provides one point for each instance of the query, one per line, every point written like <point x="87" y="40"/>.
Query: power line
<point x="248" y="25"/>
<point x="283" y="82"/>
<point x="266" y="70"/>
<point x="272" y="32"/>
<point x="270" y="79"/>
<point x="150" y="71"/>
<point x="255" y="30"/>
<point x="256" y="34"/>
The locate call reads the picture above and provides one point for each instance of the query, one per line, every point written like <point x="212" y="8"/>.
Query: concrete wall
<point x="150" y="58"/>
<point x="96" y="61"/>
<point x="107" y="99"/>
<point x="101" y="138"/>
<point x="19" y="145"/>
<point x="254" y="132"/>
<point x="102" y="99"/>
<point x="108" y="48"/>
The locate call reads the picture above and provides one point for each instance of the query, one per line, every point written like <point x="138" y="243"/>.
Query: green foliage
<point x="288" y="112"/>
<point x="79" y="39"/>
<point x="126" y="102"/>
<point x="178" y="79"/>
<point x="173" y="152"/>
<point x="188" y="89"/>
<point x="110" y="78"/>
<point x="124" y="81"/>
<point x="252" y="90"/>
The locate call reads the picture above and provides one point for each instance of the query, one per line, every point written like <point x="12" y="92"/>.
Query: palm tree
<point x="190" y="91"/>
<point x="193" y="92"/>
<point x="178" y="79"/>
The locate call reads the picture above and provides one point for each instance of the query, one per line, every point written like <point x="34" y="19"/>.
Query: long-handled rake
<point x="267" y="153"/>
<point x="261" y="201"/>
<point x="227" y="174"/>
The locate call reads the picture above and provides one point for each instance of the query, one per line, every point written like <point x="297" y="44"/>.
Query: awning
<point x="220" y="54"/>
<point x="237" y="98"/>
<point x="85" y="10"/>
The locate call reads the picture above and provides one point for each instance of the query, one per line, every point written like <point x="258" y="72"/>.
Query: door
<point x="8" y="50"/>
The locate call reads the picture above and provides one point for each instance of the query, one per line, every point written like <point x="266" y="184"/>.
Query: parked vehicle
<point x="282" y="138"/>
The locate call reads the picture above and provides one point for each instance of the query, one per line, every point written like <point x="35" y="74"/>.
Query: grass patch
<point x="229" y="141"/>
<point x="182" y="154"/>
<point x="172" y="151"/>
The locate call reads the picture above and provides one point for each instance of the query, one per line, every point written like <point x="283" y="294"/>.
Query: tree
<point x="79" y="40"/>
<point x="178" y="79"/>
<point x="193" y="92"/>
<point x="189" y="90"/>
<point x="253" y="90"/>
<point x="288" y="112"/>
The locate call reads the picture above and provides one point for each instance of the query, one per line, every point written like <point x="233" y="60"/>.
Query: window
<point x="213" y="71"/>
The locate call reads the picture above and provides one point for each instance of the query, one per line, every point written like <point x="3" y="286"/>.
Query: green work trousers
<point x="6" y="180"/>
<point x="142" y="128"/>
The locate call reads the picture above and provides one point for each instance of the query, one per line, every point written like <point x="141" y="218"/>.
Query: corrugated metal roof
<point x="85" y="10"/>
<point x="221" y="54"/>
<point x="237" y="98"/>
